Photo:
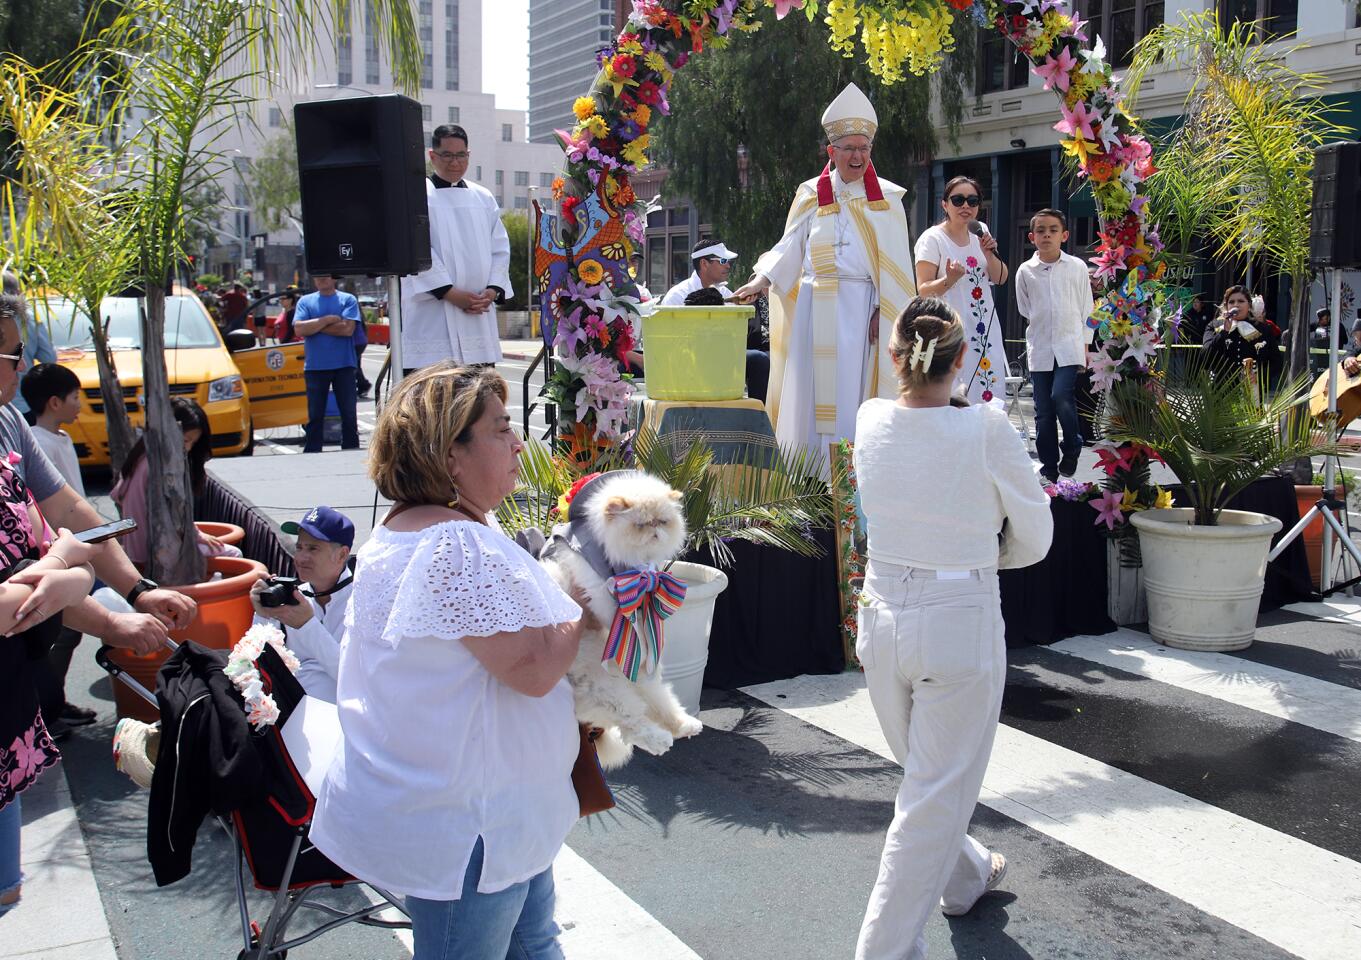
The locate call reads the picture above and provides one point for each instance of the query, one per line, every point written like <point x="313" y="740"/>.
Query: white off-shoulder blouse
<point x="436" y="751"/>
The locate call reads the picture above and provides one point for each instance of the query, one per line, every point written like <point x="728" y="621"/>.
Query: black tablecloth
<point x="1065" y="593"/>
<point x="778" y="618"/>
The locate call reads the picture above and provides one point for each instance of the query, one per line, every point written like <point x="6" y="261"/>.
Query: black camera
<point x="278" y="592"/>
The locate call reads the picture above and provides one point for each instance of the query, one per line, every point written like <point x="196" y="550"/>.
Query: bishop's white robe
<point x="469" y="250"/>
<point x="831" y="269"/>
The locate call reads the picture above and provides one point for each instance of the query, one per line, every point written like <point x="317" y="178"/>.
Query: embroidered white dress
<point x="985" y="365"/>
<point x="437" y="752"/>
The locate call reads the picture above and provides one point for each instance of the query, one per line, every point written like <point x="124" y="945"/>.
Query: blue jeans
<point x="513" y="924"/>
<point x="10" y="874"/>
<point x="758" y="374"/>
<point x="1054" y="405"/>
<point x="319" y="385"/>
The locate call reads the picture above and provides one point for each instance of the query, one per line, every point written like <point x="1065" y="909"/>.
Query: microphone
<point x="977" y="228"/>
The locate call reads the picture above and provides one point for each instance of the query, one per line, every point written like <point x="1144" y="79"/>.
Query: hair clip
<point x="923" y="352"/>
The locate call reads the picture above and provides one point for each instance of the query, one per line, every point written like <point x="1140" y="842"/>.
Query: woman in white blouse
<point x="453" y="786"/>
<point x="949" y="496"/>
<point x="955" y="264"/>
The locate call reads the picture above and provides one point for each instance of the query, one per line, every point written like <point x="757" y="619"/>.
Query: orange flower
<point x="558" y="184"/>
<point x="590" y="271"/>
<point x="643" y="114"/>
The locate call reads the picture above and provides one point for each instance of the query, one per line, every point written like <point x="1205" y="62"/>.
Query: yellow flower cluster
<point x="655" y="61"/>
<point x="916" y="40"/>
<point x="636" y="152"/>
<point x="583" y="107"/>
<point x="596" y="126"/>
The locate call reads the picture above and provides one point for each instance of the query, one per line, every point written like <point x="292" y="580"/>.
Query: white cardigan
<point x="937" y="484"/>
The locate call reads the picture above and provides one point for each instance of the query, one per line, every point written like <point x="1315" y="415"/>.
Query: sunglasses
<point x="724" y="261"/>
<point x="15" y="359"/>
<point x="960" y="199"/>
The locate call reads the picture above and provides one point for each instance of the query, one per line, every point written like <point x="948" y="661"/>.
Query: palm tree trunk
<point x="115" y="407"/>
<point x="173" y="555"/>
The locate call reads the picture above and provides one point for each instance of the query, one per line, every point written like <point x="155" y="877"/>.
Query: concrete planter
<point x="687" y="631"/>
<point x="1204" y="584"/>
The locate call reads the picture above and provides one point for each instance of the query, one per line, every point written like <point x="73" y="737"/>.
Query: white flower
<point x="263" y="712"/>
<point x="264" y="633"/>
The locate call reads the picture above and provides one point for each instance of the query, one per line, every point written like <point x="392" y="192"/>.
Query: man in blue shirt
<point x="326" y="320"/>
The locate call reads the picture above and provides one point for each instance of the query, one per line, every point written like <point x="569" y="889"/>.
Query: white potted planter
<point x="1204" y="583"/>
<point x="687" y="631"/>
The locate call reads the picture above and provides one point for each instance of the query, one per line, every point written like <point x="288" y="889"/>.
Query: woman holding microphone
<point x="957" y="260"/>
<point x="1239" y="334"/>
<point x="950" y="496"/>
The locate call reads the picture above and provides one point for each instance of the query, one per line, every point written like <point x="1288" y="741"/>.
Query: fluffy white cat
<point x="637" y="521"/>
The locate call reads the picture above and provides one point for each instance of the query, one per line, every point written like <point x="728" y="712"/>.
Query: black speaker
<point x="361" y="171"/>
<point x="1334" y="234"/>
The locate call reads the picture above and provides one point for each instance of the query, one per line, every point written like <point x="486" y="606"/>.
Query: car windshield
<point x="186" y="324"/>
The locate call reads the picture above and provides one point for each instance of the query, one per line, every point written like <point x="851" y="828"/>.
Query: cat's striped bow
<point x="645" y="599"/>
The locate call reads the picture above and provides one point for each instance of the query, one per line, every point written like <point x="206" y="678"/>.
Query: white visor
<point x="714" y="250"/>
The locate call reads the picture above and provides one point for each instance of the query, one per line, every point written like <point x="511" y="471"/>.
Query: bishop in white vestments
<point x="839" y="282"/>
<point x="449" y="310"/>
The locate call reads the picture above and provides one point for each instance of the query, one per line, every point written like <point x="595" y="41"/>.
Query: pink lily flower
<point x="782" y="7"/>
<point x="1108" y="263"/>
<point x="1077" y="121"/>
<point x="1107" y="507"/>
<point x="1055" y="71"/>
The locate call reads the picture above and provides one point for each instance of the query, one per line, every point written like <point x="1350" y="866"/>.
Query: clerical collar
<point x="440" y="183"/>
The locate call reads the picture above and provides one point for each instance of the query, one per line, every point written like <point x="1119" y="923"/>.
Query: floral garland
<point x="601" y="220"/>
<point x="261" y="709"/>
<point x="851" y="565"/>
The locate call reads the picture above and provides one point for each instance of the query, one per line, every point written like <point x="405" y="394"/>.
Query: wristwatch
<point x="139" y="588"/>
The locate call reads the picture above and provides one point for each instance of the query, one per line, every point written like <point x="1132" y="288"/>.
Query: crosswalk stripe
<point x="1280" y="693"/>
<point x="1286" y="891"/>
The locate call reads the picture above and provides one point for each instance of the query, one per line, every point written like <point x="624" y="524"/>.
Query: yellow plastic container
<point x="696" y="353"/>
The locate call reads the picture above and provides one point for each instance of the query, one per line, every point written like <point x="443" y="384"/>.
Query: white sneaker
<point x="999" y="870"/>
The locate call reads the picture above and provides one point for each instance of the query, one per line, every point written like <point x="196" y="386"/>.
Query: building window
<point x="1122" y="24"/>
<point x="500" y="177"/>
<point x="453" y="114"/>
<point x="276" y="117"/>
<point x="479" y="173"/>
<point x="522" y="178"/>
<point x="1000" y="65"/>
<point x="450" y="44"/>
<point x="521" y="203"/>
<point x="545" y="179"/>
<point x="371" y="75"/>
<point x="426" y="27"/>
<point x="507" y="132"/>
<point x="1274" y="18"/>
<point x="426" y="112"/>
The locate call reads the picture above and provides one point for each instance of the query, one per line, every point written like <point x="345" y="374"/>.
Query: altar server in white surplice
<point x="449" y="311"/>
<point x="839" y="282"/>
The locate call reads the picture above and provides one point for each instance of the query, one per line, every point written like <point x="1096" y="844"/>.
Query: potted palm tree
<point x="771" y="496"/>
<point x="1204" y="565"/>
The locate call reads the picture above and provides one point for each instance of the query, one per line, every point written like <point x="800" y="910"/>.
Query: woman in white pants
<point x="950" y="496"/>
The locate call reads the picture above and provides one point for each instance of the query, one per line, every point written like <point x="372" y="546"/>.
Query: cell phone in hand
<point x="107" y="531"/>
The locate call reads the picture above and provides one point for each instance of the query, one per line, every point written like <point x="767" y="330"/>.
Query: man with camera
<point x="311" y="607"/>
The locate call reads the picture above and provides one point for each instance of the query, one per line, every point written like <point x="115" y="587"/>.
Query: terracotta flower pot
<point x="1306" y="496"/>
<point x="224" y="614"/>
<point x="228" y="533"/>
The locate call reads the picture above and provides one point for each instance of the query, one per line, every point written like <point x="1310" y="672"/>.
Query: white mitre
<point x="850" y="113"/>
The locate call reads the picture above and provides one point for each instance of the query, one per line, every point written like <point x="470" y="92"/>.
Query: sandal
<point x="999" y="870"/>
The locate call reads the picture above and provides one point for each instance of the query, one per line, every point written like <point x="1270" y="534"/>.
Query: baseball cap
<point x="324" y="524"/>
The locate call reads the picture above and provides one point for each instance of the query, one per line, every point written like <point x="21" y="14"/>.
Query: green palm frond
<point x="769" y="495"/>
<point x="1215" y="430"/>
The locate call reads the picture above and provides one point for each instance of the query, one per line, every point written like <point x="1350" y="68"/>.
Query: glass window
<point x="522" y="178"/>
<point x="453" y="114"/>
<point x="507" y="132"/>
<point x="1000" y="65"/>
<point x="1274" y="18"/>
<point x="545" y="179"/>
<point x="521" y="203"/>
<point x="1122" y="24"/>
<point x="656" y="266"/>
<point x="500" y="177"/>
<point x="276" y="117"/>
<point x="187" y="324"/>
<point x="426" y="112"/>
<point x="678" y="216"/>
<point x="680" y="259"/>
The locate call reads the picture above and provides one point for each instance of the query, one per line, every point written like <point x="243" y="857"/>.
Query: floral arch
<point x="581" y="264"/>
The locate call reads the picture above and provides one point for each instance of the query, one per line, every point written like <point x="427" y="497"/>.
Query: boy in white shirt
<point x="1054" y="293"/>
<point x="52" y="393"/>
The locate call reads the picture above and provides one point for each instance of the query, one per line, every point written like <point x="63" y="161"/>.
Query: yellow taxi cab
<point x="241" y="390"/>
